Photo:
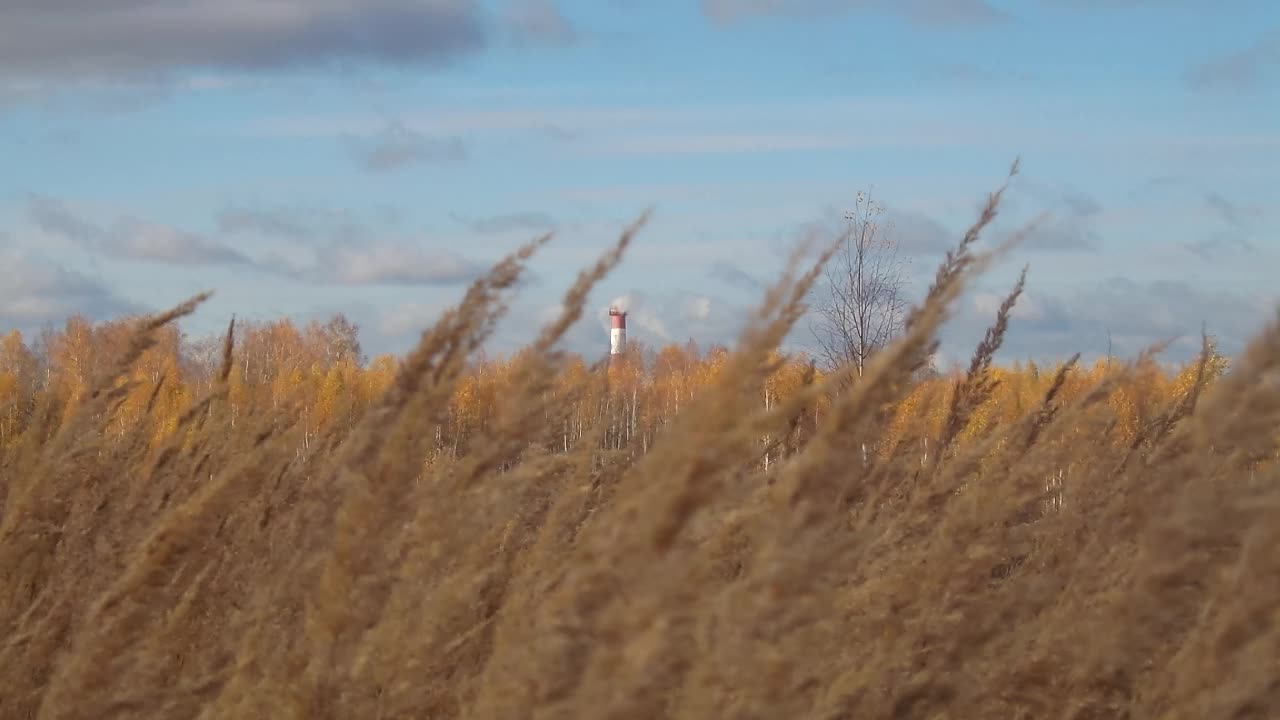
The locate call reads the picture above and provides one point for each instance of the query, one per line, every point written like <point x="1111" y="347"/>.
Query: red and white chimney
<point x="617" y="331"/>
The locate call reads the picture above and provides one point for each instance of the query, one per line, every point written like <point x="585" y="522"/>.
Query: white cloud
<point x="382" y="263"/>
<point x="399" y="146"/>
<point x="1137" y="315"/>
<point x="36" y="291"/>
<point x="698" y="307"/>
<point x="129" y="237"/>
<point x="409" y="318"/>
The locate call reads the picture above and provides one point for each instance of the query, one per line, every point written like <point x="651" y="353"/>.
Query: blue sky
<point x="302" y="157"/>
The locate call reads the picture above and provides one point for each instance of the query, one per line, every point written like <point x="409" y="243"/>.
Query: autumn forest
<point x="320" y="370"/>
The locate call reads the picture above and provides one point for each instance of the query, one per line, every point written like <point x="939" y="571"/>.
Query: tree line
<point x="318" y="376"/>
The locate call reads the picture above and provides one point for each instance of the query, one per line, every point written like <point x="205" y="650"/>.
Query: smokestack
<point x="617" y="331"/>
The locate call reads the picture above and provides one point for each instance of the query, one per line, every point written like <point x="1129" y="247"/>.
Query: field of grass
<point x="195" y="554"/>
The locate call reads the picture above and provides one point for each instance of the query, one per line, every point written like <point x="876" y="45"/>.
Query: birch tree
<point x="861" y="304"/>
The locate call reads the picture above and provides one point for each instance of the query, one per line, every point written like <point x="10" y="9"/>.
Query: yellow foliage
<point x="277" y="366"/>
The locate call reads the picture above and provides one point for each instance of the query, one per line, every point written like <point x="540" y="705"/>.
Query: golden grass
<point x="1040" y="570"/>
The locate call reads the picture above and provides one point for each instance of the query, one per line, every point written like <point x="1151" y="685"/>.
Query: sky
<point x="305" y="157"/>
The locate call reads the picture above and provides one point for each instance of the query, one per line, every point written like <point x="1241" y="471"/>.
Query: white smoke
<point x="697" y="307"/>
<point x="642" y="313"/>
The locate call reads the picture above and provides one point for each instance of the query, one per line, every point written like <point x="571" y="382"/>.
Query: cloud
<point x="1059" y="233"/>
<point x="340" y="248"/>
<point x="129" y="237"/>
<point x="914" y="233"/>
<point x="45" y="38"/>
<point x="409" y="318"/>
<point x="732" y="275"/>
<point x="275" y="222"/>
<point x="36" y="291"/>
<point x="1232" y="242"/>
<point x="1155" y="188"/>
<point x="1250" y="68"/>
<point x="1069" y="225"/>
<point x="1047" y="326"/>
<point x="1220" y="246"/>
<point x="1230" y="212"/>
<point x="398" y="146"/>
<point x="378" y="263"/>
<point x="917" y="233"/>
<point x="1080" y="203"/>
<point x="924" y="13"/>
<point x="337" y="249"/>
<point x="539" y="23"/>
<point x="509" y="222"/>
<point x="398" y="264"/>
<point x="299" y="224"/>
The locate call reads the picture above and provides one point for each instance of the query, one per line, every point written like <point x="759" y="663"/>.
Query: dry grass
<point x="227" y="576"/>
